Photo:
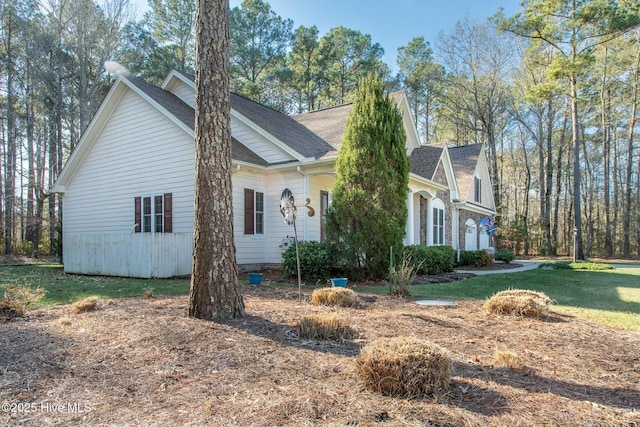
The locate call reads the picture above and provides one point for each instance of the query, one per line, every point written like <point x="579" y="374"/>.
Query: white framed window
<point x="477" y="190"/>
<point x="254" y="212"/>
<point x="259" y="213"/>
<point x="153" y="213"/>
<point x="438" y="222"/>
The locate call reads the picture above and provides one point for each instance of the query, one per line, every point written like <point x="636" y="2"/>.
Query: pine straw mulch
<point x="142" y="362"/>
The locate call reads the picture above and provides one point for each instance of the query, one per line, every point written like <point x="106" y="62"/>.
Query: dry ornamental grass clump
<point x="325" y="327"/>
<point x="519" y="302"/>
<point x="508" y="359"/>
<point x="334" y="296"/>
<point x="18" y="298"/>
<point x="86" y="304"/>
<point x="404" y="367"/>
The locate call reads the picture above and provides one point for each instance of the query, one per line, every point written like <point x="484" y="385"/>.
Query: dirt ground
<point x="142" y="362"/>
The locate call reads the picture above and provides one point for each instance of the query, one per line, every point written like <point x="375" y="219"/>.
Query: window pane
<point x="146" y="214"/>
<point x="158" y="213"/>
<point x="259" y="213"/>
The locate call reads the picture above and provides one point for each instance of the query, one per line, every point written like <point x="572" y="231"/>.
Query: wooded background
<point x="506" y="82"/>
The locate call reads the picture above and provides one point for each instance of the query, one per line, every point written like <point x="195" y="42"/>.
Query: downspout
<point x="236" y="170"/>
<point x="306" y="192"/>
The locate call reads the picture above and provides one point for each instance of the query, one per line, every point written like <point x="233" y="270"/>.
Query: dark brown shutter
<point x="168" y="212"/>
<point x="248" y="211"/>
<point x="138" y="214"/>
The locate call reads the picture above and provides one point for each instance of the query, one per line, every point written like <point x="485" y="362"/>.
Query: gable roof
<point x="186" y="115"/>
<point x="424" y="160"/>
<point x="464" y="160"/>
<point x="331" y="123"/>
<point x="283" y="128"/>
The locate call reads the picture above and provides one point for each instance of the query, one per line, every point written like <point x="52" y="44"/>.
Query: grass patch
<point x="61" y="288"/>
<point x="609" y="297"/>
<point x="581" y="265"/>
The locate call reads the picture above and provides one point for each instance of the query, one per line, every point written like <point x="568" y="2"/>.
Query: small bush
<point x="317" y="261"/>
<point x="18" y="298"/>
<point x="86" y="304"/>
<point x="334" y="296"/>
<point x="432" y="259"/>
<point x="23" y="248"/>
<point x="404" y="367"/>
<point x="475" y="258"/>
<point x="324" y="327"/>
<point x="504" y="255"/>
<point x="519" y="302"/>
<point x="507" y="359"/>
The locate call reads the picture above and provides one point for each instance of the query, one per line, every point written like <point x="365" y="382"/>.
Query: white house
<point x="128" y="187"/>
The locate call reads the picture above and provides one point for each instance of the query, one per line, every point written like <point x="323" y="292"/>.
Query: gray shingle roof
<point x="464" y="160"/>
<point x="329" y="124"/>
<point x="283" y="127"/>
<point x="424" y="160"/>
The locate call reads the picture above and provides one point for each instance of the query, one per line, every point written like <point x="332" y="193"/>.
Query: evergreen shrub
<point x="504" y="255"/>
<point x="432" y="259"/>
<point x="475" y="258"/>
<point x="317" y="261"/>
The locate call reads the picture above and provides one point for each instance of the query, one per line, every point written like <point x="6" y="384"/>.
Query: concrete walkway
<point x="526" y="265"/>
<point x="530" y="265"/>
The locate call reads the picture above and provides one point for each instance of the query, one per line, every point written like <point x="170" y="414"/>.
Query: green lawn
<point x="610" y="297"/>
<point x="64" y="288"/>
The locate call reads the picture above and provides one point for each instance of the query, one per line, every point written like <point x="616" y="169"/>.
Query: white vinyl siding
<point x="257" y="143"/>
<point x="185" y="92"/>
<point x="139" y="151"/>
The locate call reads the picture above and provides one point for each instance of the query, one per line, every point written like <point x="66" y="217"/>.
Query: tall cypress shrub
<point x="369" y="208"/>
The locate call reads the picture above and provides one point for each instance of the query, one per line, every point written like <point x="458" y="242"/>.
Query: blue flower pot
<point x="339" y="282"/>
<point x="255" y="278"/>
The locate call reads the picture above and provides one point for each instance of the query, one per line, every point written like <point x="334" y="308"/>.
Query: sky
<point x="391" y="23"/>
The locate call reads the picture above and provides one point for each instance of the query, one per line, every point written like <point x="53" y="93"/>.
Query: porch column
<point x="409" y="232"/>
<point x="429" y="236"/>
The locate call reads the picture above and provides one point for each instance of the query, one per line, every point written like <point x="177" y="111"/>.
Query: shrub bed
<point x="431" y="259"/>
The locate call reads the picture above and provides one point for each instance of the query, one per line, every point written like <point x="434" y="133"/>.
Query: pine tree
<point x="215" y="291"/>
<point x="369" y="210"/>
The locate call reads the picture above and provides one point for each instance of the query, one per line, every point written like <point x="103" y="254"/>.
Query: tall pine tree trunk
<point x="626" y="216"/>
<point x="577" y="202"/>
<point x="10" y="154"/>
<point x="215" y="292"/>
<point x="606" y="151"/>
